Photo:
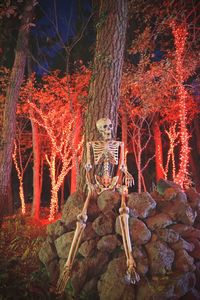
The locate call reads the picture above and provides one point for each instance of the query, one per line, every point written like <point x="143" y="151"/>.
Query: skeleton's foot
<point x="131" y="277"/>
<point x="62" y="282"/>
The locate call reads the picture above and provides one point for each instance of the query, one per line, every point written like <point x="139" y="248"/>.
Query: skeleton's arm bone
<point x="129" y="180"/>
<point x="122" y="166"/>
<point x="88" y="165"/>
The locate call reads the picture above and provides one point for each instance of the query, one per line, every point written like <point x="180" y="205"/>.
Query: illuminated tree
<point x="55" y="107"/>
<point x="21" y="159"/>
<point x="180" y="35"/>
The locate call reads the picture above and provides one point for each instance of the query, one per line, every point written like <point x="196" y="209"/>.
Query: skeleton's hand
<point x="129" y="180"/>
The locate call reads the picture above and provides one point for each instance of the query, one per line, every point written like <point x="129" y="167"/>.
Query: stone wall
<point x="164" y="230"/>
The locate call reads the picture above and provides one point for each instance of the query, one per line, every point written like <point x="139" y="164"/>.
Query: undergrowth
<point x="22" y="276"/>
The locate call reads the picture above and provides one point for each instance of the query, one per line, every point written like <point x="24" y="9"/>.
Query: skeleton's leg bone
<point x="80" y="226"/>
<point x="131" y="276"/>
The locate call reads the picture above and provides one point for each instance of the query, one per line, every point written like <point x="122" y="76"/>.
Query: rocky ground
<point x="165" y="233"/>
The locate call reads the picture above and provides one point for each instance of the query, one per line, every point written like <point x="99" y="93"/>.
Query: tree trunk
<point x="36" y="171"/>
<point x="103" y="100"/>
<point x="9" y="122"/>
<point x="75" y="162"/>
<point x="158" y="149"/>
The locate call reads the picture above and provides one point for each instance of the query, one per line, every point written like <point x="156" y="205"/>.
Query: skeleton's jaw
<point x="107" y="137"/>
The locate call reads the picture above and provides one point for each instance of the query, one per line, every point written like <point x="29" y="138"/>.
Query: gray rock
<point x="141" y="259"/>
<point x="56" y="229"/>
<point x="183" y="261"/>
<point x="191" y="295"/>
<point x="89" y="232"/>
<point x="47" y="253"/>
<point x="53" y="270"/>
<point x="160" y="220"/>
<point x="180" y="228"/>
<point x="180" y="211"/>
<point x="168" y="235"/>
<point x="195" y="253"/>
<point x="182" y="244"/>
<point x="71" y="209"/>
<point x="108" y="200"/>
<point x="193" y="198"/>
<point x="184" y="284"/>
<point x="79" y="276"/>
<point x="165" y="184"/>
<point x="155" y="290"/>
<point x="97" y="264"/>
<point x="139" y="233"/>
<point x="87" y="248"/>
<point x="104" y="224"/>
<point x="89" y="290"/>
<point x="108" y="243"/>
<point x="111" y="284"/>
<point x="141" y="205"/>
<point x="63" y="244"/>
<point x="161" y="257"/>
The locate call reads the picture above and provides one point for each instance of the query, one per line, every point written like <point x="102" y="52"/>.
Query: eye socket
<point x="105" y="126"/>
<point x="110" y="125"/>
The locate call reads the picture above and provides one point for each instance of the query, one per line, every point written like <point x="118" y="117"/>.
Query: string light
<point x="180" y="35"/>
<point x="20" y="177"/>
<point x="60" y="148"/>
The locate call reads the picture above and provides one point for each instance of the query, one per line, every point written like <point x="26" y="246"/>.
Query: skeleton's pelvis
<point x="106" y="182"/>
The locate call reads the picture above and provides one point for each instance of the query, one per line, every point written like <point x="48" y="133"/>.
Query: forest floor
<point x="22" y="275"/>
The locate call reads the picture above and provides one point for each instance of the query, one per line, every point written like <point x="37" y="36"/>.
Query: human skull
<point x="105" y="127"/>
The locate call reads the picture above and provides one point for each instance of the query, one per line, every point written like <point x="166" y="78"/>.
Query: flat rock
<point x="141" y="205"/>
<point x="160" y="220"/>
<point x="111" y="284"/>
<point x="108" y="200"/>
<point x="161" y="257"/>
<point x="108" y="243"/>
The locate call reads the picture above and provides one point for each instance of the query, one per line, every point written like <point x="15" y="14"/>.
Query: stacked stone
<point x="164" y="230"/>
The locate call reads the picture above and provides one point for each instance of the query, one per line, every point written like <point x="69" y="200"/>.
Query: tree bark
<point x="103" y="99"/>
<point x="158" y="149"/>
<point x="9" y="118"/>
<point x="36" y="171"/>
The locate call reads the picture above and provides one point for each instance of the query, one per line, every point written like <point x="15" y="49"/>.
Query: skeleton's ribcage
<point x="105" y="157"/>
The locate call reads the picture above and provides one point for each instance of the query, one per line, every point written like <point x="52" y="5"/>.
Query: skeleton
<point x="105" y="156"/>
